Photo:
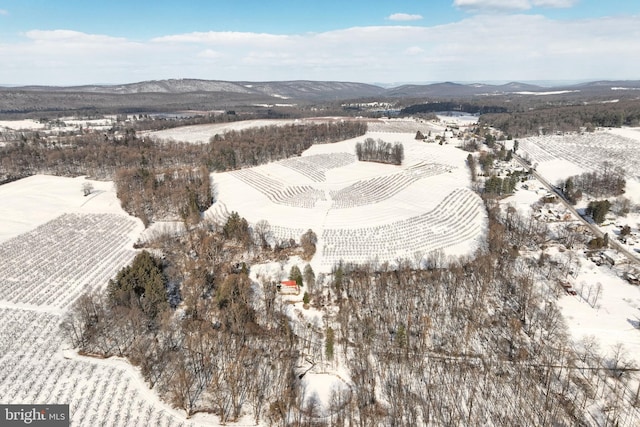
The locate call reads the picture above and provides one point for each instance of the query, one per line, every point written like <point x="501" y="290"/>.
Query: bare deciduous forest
<point x="564" y="118"/>
<point x="380" y="151"/>
<point x="525" y="116"/>
<point x="475" y="343"/>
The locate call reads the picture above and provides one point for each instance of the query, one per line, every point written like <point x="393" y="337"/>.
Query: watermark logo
<point x="34" y="415"/>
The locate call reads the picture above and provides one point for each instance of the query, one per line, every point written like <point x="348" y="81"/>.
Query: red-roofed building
<point x="289" y="287"/>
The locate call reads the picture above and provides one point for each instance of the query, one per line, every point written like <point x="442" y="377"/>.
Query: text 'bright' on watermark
<point x="34" y="415"/>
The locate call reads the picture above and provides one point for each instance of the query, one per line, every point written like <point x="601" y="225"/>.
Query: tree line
<point x="380" y="151"/>
<point x="433" y="341"/>
<point x="255" y="146"/>
<point x="467" y="107"/>
<point x="100" y="155"/>
<point x="549" y="119"/>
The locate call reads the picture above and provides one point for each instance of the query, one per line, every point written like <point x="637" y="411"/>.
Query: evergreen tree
<point x="141" y="284"/>
<point x="329" y="343"/>
<point x="308" y="242"/>
<point x="598" y="210"/>
<point x="471" y="162"/>
<point x="236" y="228"/>
<point x="309" y="276"/>
<point x="296" y="275"/>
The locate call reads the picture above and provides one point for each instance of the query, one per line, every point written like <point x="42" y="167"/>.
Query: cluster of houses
<point x="552" y="214"/>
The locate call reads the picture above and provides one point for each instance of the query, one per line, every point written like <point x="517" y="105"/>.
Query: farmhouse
<point x="289" y="287"/>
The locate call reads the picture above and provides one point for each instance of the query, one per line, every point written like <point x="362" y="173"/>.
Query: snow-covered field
<point x="362" y="211"/>
<point x="412" y="125"/>
<point x="36" y="369"/>
<point x="21" y="124"/>
<point x="63" y="124"/>
<point x="202" y="133"/>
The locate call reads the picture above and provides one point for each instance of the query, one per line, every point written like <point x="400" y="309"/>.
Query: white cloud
<point x="511" y="5"/>
<point x="481" y="47"/>
<point x="414" y="50"/>
<point x="404" y="17"/>
<point x="492" y="4"/>
<point x="69" y="36"/>
<point x="554" y="3"/>
<point x="213" y="37"/>
<point x="209" y="54"/>
<point x="4" y="12"/>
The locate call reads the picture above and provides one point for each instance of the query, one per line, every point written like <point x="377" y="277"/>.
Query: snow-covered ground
<point x="613" y="317"/>
<point x="26" y="124"/>
<point x="55" y="243"/>
<point x="457" y="118"/>
<point x="63" y="124"/>
<point x="560" y="156"/>
<point x="430" y="191"/>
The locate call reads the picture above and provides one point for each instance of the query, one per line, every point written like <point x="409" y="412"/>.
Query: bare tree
<point x="87" y="188"/>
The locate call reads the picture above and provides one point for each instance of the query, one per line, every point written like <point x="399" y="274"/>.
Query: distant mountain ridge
<point x="298" y="89"/>
<point x="196" y="94"/>
<point x="309" y="89"/>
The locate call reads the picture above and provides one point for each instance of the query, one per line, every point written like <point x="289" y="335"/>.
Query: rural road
<point x="594" y="229"/>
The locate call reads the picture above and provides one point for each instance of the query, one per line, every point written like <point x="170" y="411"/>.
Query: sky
<point x="75" y="42"/>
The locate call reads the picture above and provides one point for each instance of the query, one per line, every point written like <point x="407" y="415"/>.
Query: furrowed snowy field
<point x="362" y="211"/>
<point x="54" y="244"/>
